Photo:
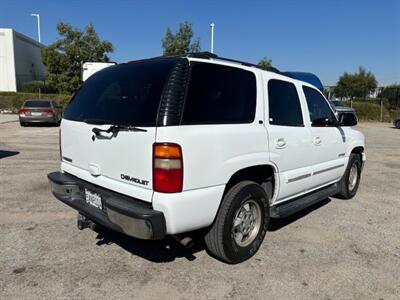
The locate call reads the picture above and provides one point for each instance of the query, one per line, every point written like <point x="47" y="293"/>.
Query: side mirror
<point x="348" y="119"/>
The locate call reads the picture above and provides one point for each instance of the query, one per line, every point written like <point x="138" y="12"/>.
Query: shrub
<point x="395" y="113"/>
<point x="14" y="101"/>
<point x="35" y="85"/>
<point x="371" y="111"/>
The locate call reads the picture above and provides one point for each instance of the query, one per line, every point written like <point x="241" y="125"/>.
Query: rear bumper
<point x="124" y="214"/>
<point x="37" y="119"/>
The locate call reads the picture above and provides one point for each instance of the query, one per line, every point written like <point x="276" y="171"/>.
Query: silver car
<point x="40" y="111"/>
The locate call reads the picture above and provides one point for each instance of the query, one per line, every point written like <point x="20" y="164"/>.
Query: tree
<point x="265" y="63"/>
<point x="64" y="58"/>
<point x="355" y="85"/>
<point x="181" y="42"/>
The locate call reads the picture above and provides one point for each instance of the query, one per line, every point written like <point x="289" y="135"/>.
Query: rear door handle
<point x="280" y="143"/>
<point x="317" y="141"/>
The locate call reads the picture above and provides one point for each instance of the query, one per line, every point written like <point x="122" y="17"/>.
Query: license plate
<point x="93" y="199"/>
<point x="36" y="114"/>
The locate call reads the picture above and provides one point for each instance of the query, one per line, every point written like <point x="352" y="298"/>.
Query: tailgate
<point x="126" y="96"/>
<point x="122" y="163"/>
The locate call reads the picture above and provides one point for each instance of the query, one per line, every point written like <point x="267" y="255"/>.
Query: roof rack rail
<point x="208" y="55"/>
<point x="205" y="54"/>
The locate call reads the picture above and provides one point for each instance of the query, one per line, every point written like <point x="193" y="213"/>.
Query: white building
<point x="20" y="60"/>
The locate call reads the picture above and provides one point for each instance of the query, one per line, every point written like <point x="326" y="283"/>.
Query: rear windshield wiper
<point x="114" y="129"/>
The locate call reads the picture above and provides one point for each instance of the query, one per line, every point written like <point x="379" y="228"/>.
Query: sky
<point x="324" y="37"/>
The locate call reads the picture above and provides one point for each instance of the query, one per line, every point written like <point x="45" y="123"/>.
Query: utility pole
<point x="38" y="24"/>
<point x="212" y="37"/>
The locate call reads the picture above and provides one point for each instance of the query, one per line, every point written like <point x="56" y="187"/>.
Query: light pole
<point x="38" y="24"/>
<point x="212" y="37"/>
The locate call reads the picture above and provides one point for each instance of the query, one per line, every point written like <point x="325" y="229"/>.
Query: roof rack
<point x="209" y="55"/>
<point x="303" y="76"/>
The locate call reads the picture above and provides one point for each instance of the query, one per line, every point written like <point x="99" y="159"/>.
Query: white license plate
<point x="36" y="114"/>
<point x="93" y="199"/>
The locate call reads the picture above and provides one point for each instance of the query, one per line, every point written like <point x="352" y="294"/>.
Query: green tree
<point x="181" y="42"/>
<point x="264" y="63"/>
<point x="355" y="85"/>
<point x="64" y="58"/>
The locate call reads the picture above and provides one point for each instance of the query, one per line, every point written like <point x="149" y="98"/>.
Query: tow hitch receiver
<point x="83" y="222"/>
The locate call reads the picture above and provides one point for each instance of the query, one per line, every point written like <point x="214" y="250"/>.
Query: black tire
<point x="398" y="124"/>
<point x="220" y="239"/>
<point x="347" y="191"/>
<point x="22" y="124"/>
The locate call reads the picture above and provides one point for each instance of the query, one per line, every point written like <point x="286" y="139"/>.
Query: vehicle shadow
<point x="42" y="125"/>
<point x="276" y="224"/>
<point x="168" y="249"/>
<point x="161" y="251"/>
<point x="5" y="153"/>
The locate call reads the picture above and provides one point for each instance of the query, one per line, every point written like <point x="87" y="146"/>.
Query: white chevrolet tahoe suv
<point x="169" y="145"/>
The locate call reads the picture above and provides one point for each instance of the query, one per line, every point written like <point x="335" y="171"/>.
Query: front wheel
<point x="350" y="181"/>
<point x="398" y="124"/>
<point x="241" y="223"/>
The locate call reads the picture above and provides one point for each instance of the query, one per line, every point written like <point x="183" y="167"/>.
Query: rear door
<point x="128" y="94"/>
<point x="328" y="140"/>
<point x="289" y="138"/>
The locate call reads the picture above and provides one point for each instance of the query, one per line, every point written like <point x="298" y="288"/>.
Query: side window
<point x="284" y="104"/>
<point x="318" y="107"/>
<point x="219" y="95"/>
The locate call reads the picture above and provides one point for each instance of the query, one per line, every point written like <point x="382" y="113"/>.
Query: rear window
<point x="125" y="94"/>
<point x="37" y="103"/>
<point x="219" y="95"/>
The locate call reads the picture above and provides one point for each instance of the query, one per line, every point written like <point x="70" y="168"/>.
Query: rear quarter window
<point x="219" y="94"/>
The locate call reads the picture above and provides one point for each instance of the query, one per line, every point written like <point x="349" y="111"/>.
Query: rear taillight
<point x="48" y="111"/>
<point x="167" y="168"/>
<point x="22" y="111"/>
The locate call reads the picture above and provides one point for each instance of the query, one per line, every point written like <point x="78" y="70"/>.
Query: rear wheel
<point x="241" y="223"/>
<point x="350" y="181"/>
<point x="22" y="124"/>
<point x="398" y="124"/>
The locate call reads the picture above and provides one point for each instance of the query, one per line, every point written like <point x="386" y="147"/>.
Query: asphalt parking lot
<point x="336" y="250"/>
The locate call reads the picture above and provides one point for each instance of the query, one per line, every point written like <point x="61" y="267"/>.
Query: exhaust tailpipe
<point x="185" y="241"/>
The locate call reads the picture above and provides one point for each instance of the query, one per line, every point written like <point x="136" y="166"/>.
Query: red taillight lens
<point x="167" y="168"/>
<point x="48" y="111"/>
<point x="22" y="111"/>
